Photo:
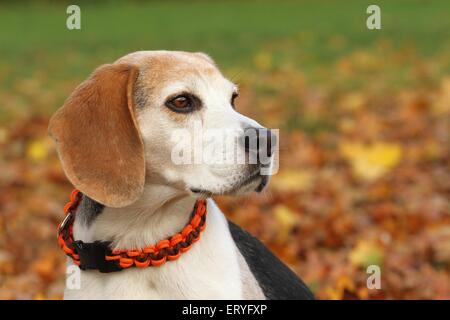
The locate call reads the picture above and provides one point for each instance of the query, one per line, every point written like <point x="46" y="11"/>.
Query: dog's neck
<point x="160" y="212"/>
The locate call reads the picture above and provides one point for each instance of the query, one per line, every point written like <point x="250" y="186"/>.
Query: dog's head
<point x="157" y="117"/>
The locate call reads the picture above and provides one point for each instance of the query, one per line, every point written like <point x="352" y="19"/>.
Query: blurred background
<point x="364" y="119"/>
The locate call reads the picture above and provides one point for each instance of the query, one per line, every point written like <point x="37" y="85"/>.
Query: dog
<point x="114" y="139"/>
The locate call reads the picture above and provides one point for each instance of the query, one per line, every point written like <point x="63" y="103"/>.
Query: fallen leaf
<point x="286" y="220"/>
<point x="370" y="162"/>
<point x="292" y="180"/>
<point x="263" y="61"/>
<point x="37" y="150"/>
<point x="366" y="253"/>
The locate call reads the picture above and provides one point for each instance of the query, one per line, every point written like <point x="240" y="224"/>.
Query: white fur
<point x="210" y="270"/>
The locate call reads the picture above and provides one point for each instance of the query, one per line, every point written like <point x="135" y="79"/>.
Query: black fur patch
<point x="277" y="281"/>
<point x="89" y="209"/>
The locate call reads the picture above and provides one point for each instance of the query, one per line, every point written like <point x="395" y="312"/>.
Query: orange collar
<point x="98" y="255"/>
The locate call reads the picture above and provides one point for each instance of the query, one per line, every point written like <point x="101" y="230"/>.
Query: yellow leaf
<point x="442" y="105"/>
<point x="344" y="283"/>
<point x="333" y="294"/>
<point x="37" y="150"/>
<point x="347" y="125"/>
<point x="39" y="296"/>
<point x="352" y="101"/>
<point x="286" y="220"/>
<point x="3" y="135"/>
<point x="366" y="253"/>
<point x="263" y="61"/>
<point x="292" y="180"/>
<point x="370" y="162"/>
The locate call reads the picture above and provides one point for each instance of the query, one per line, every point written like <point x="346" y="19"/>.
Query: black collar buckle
<point x="92" y="256"/>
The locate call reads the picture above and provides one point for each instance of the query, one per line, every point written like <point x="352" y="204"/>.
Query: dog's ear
<point x="97" y="137"/>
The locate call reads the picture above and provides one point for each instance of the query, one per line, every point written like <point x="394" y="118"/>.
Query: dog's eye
<point x="180" y="102"/>
<point x="183" y="103"/>
<point x="233" y="98"/>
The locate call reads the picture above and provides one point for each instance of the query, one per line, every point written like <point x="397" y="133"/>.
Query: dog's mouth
<point x="202" y="192"/>
<point x="236" y="188"/>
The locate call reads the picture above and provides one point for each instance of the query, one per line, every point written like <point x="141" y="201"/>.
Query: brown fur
<point x="97" y="137"/>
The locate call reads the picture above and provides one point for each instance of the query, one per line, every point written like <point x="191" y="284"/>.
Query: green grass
<point x="230" y="31"/>
<point x="35" y="42"/>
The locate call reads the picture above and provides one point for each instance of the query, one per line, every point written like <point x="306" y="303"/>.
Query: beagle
<point x="114" y="137"/>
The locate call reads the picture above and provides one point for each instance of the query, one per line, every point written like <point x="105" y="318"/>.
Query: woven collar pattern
<point x="151" y="256"/>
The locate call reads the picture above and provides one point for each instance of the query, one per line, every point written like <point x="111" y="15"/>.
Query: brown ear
<point x="97" y="137"/>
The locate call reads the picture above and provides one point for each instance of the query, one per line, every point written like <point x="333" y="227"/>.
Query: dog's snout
<point x="259" y="140"/>
<point x="249" y="140"/>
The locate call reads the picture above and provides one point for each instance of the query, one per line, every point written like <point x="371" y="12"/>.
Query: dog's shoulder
<point x="274" y="277"/>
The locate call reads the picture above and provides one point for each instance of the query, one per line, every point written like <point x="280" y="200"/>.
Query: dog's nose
<point x="259" y="140"/>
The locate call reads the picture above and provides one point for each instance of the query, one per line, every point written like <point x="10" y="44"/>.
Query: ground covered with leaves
<point x="364" y="180"/>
